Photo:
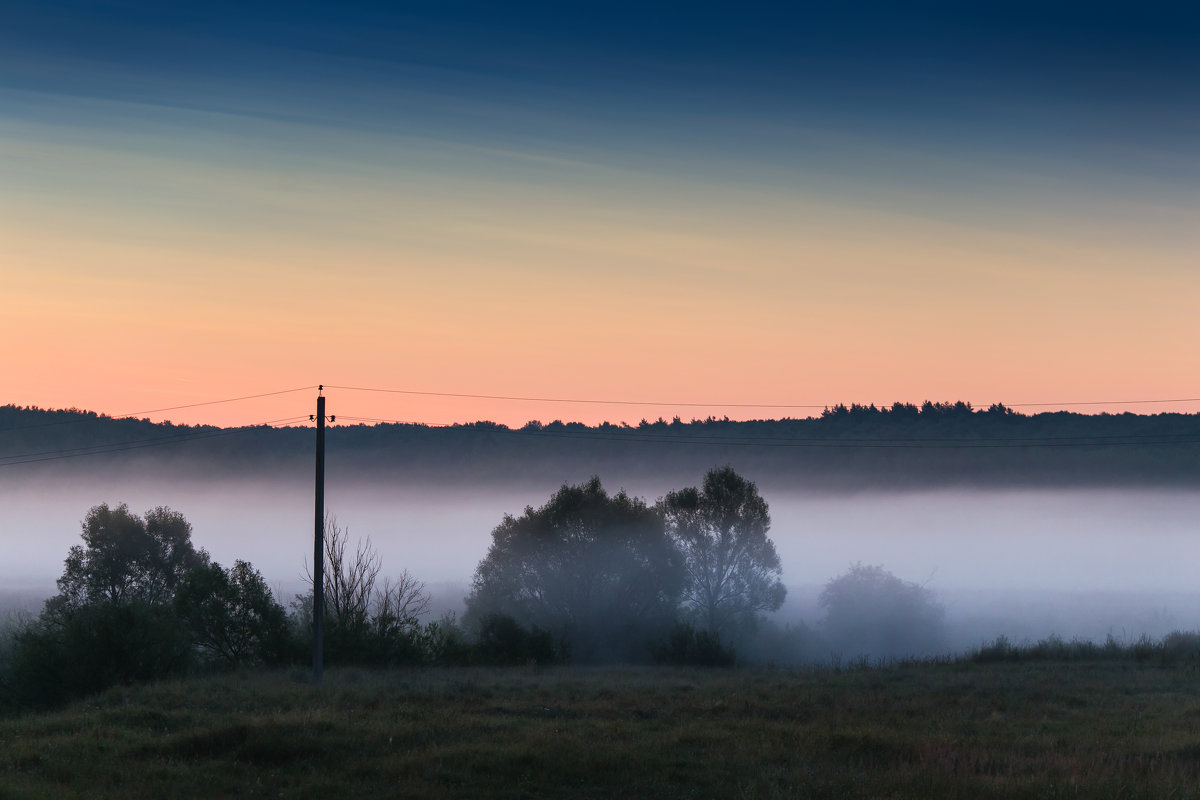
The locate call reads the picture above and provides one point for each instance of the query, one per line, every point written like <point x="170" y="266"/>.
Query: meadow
<point x="1004" y="723"/>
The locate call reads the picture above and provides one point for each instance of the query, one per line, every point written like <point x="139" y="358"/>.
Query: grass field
<point x="1105" y="729"/>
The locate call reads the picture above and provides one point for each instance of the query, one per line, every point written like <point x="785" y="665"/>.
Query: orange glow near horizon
<point x="98" y="326"/>
<point x="191" y="284"/>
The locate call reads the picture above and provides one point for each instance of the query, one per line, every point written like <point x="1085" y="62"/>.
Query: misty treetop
<point x="126" y="558"/>
<point x="733" y="570"/>
<point x="871" y="612"/>
<point x="596" y="569"/>
<point x="611" y="575"/>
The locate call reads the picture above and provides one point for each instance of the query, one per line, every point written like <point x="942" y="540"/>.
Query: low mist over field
<point x="1021" y="563"/>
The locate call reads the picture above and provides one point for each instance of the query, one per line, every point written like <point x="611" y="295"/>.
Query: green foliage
<point x="733" y="570"/>
<point x="127" y="559"/>
<point x="113" y="620"/>
<point x="63" y="656"/>
<point x="363" y="642"/>
<point x="231" y="615"/>
<point x="598" y="572"/>
<point x="138" y="602"/>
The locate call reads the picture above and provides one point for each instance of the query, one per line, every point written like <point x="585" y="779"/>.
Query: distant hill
<point x="901" y="446"/>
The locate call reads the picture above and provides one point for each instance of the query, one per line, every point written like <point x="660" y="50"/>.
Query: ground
<point x="1110" y="729"/>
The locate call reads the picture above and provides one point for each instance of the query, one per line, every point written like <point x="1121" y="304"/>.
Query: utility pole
<point x="319" y="547"/>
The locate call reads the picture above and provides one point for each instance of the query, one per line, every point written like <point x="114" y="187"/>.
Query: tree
<point x="871" y="612"/>
<point x="125" y="558"/>
<point x="597" y="571"/>
<point x="367" y="620"/>
<point x="232" y="615"/>
<point x="732" y="567"/>
<point x="349" y="581"/>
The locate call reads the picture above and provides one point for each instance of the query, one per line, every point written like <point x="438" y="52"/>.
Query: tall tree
<point x="125" y="558"/>
<point x="732" y="567"/>
<point x="594" y="569"/>
<point x="231" y="614"/>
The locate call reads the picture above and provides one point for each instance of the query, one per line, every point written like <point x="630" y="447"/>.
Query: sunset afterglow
<point x="719" y="205"/>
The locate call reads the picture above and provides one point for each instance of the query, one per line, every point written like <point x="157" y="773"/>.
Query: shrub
<point x="684" y="645"/>
<point x="1181" y="646"/>
<point x="231" y="615"/>
<point x="502" y="641"/>
<point x="65" y="656"/>
<point x="443" y="643"/>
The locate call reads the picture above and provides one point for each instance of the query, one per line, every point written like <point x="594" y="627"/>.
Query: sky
<point x="742" y="204"/>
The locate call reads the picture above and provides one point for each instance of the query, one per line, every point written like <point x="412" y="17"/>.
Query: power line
<point x="154" y="410"/>
<point x="572" y="400"/>
<point x="592" y="401"/>
<point x="1107" y="402"/>
<point x="216" y="402"/>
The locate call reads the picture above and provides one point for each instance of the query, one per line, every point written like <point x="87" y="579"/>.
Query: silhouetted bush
<point x="686" y="646"/>
<point x="1181" y="646"/>
<point x="792" y="644"/>
<point x="62" y="657"/>
<point x="444" y="643"/>
<point x="368" y="621"/>
<point x="502" y="641"/>
<point x="231" y="616"/>
<point x="1176" y="647"/>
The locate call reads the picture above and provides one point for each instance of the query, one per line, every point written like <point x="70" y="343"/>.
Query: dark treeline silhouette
<point x="902" y="445"/>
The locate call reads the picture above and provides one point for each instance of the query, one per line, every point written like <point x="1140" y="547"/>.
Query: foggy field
<point x="1021" y="563"/>
<point x="1104" y="729"/>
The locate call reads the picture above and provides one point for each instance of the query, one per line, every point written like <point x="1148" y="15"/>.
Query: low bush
<point x="502" y="641"/>
<point x="684" y="645"/>
<point x="61" y="657"/>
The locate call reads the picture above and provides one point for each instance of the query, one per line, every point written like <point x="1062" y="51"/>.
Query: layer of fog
<point x="1026" y="564"/>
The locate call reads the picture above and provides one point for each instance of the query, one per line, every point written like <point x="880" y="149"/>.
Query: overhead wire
<point x="690" y="404"/>
<point x="157" y="410"/>
<point x="572" y="400"/>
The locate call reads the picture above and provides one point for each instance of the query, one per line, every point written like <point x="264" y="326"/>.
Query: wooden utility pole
<point x="319" y="549"/>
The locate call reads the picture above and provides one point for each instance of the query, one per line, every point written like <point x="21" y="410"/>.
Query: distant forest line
<point x="846" y="447"/>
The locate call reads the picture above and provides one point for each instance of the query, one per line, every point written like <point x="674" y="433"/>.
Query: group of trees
<point x="588" y="577"/>
<point x="687" y="580"/>
<point x="611" y="576"/>
<point x="137" y="601"/>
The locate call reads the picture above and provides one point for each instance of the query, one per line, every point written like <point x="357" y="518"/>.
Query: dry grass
<point x="1002" y="730"/>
